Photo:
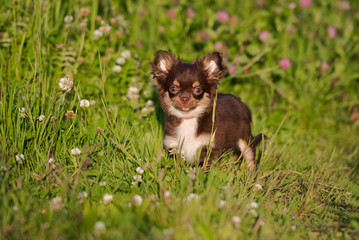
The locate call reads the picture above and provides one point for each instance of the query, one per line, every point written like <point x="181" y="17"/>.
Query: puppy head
<point x="187" y="90"/>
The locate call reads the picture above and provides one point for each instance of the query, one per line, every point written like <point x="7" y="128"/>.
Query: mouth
<point x="185" y="109"/>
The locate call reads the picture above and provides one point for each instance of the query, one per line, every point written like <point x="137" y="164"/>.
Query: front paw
<point x="172" y="151"/>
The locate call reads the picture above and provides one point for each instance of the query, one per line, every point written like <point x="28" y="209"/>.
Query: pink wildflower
<point x="205" y="36"/>
<point x="305" y="3"/>
<point x="344" y="5"/>
<point x="232" y="69"/>
<point x="222" y="16"/>
<point x="84" y="11"/>
<point x="218" y="46"/>
<point x="260" y="3"/>
<point x="233" y="20"/>
<point x="292" y="5"/>
<point x="284" y="63"/>
<point x="264" y="35"/>
<point x="332" y="31"/>
<point x="324" y="67"/>
<point x="170" y="14"/>
<point x="190" y="13"/>
<point x="139" y="43"/>
<point x="291" y="29"/>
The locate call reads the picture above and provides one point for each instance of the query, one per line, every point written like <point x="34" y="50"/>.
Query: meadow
<point x="81" y="127"/>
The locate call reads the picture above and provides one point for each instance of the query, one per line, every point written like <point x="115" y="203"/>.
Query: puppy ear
<point x="212" y="66"/>
<point x="162" y="64"/>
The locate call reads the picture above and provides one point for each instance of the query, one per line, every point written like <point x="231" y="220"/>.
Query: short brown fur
<point x="193" y="98"/>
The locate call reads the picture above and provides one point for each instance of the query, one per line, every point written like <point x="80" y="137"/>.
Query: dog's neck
<point x="187" y="118"/>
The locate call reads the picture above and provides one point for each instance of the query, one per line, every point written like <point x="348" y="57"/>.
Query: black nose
<point x="184" y="99"/>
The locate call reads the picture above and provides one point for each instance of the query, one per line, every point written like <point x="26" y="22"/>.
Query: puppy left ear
<point x="212" y="66"/>
<point x="162" y="64"/>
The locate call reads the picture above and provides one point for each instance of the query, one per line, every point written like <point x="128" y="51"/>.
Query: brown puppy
<point x="187" y="92"/>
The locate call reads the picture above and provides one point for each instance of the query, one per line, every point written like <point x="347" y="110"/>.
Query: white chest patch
<point x="186" y="139"/>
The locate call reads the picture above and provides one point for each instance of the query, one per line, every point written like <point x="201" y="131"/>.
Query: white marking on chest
<point x="186" y="139"/>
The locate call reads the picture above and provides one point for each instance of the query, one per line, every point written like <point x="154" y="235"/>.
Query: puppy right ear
<point x="162" y="64"/>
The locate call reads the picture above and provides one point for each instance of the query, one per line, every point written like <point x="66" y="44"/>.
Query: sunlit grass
<point x="81" y="125"/>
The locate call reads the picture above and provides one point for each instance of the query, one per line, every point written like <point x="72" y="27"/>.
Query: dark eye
<point x="197" y="90"/>
<point x="173" y="89"/>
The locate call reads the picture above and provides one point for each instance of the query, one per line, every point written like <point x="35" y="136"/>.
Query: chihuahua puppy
<point x="187" y="92"/>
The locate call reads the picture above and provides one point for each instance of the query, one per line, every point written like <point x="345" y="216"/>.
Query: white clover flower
<point x="167" y="194"/>
<point x="257" y="187"/>
<point x="139" y="170"/>
<point x="133" y="93"/>
<point x="97" y="34"/>
<point x="293" y="227"/>
<point x="105" y="29"/>
<point x="22" y="115"/>
<point x="22" y="109"/>
<point x="51" y="160"/>
<point x="20" y="158"/>
<point x="66" y="84"/>
<point x="146" y="110"/>
<point x="103" y="183"/>
<point x="253" y="212"/>
<point x="137" y="200"/>
<point x="56" y="204"/>
<point x="146" y="93"/>
<point x="84" y="11"/>
<point x="168" y="233"/>
<point x="84" y="103"/>
<point x="192" y="173"/>
<point x="120" y="60"/>
<point x="190" y="197"/>
<point x="253" y="205"/>
<point x="137" y="178"/>
<point x="344" y="5"/>
<point x="236" y="220"/>
<point x="82" y="195"/>
<point x="107" y="198"/>
<point x="75" y="151"/>
<point x="222" y="203"/>
<point x="149" y="103"/>
<point x="126" y="54"/>
<point x="42" y="118"/>
<point x="68" y="19"/>
<point x="117" y="69"/>
<point x="99" y="228"/>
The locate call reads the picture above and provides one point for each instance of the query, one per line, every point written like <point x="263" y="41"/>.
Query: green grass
<point x="308" y="167"/>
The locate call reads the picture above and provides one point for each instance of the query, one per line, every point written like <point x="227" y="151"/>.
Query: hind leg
<point x="248" y="154"/>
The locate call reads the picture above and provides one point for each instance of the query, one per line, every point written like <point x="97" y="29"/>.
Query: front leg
<point x="170" y="144"/>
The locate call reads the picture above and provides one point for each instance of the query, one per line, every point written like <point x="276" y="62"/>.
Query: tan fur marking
<point x="247" y="153"/>
<point x="176" y="83"/>
<point x="195" y="84"/>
